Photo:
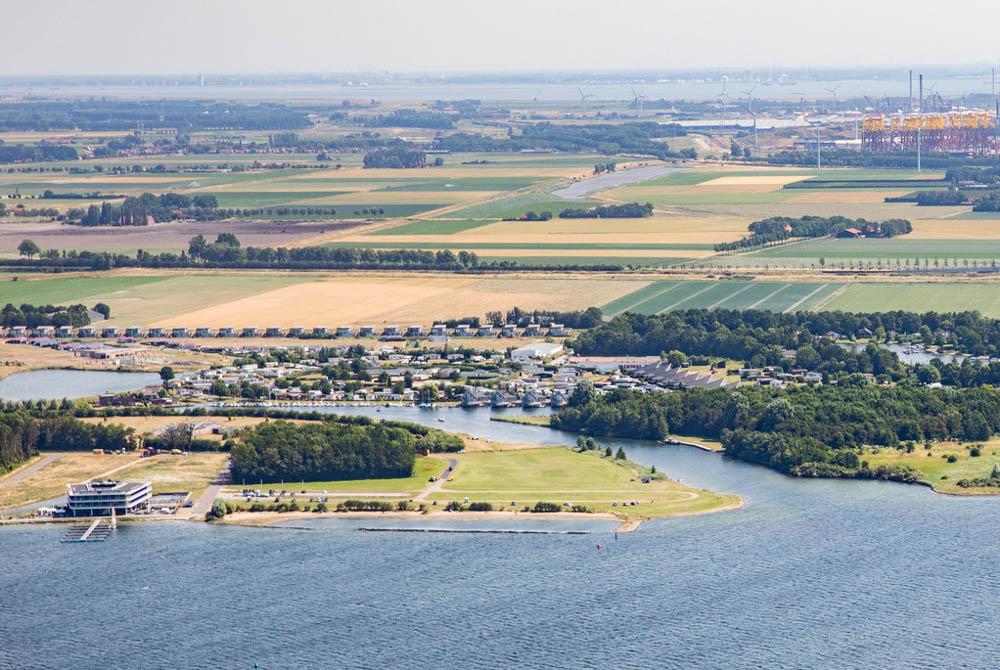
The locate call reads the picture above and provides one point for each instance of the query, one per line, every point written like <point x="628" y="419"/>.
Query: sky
<point x="307" y="36"/>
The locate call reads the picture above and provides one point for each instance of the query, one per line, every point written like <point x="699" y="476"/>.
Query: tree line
<point x="759" y="337"/>
<point x="33" y="316"/>
<point x="23" y="436"/>
<point x="224" y="256"/>
<point x="139" y="210"/>
<point x="778" y="228"/>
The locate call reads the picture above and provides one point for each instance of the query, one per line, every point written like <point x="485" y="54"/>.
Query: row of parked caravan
<point x="386" y="332"/>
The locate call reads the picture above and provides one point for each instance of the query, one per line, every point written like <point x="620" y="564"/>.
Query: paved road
<point x="28" y="471"/>
<point x="436" y="486"/>
<point x="204" y="503"/>
<point x="583" y="188"/>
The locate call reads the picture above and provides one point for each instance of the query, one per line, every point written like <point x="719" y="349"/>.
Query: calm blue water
<point x="59" y="384"/>
<point x="809" y="574"/>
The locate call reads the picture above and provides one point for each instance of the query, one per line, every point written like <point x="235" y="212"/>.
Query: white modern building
<point x="98" y="498"/>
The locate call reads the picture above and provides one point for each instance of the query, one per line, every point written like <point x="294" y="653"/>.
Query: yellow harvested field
<point x="380" y="300"/>
<point x="955" y="229"/>
<point x="755" y="180"/>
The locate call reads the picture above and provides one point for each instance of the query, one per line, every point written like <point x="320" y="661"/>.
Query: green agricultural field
<point x="624" y="261"/>
<point x="666" y="296"/>
<point x="434" y="227"/>
<point x="69" y="290"/>
<point x="794" y="296"/>
<point x="518" y="204"/>
<point x="267" y="198"/>
<point x="140" y="300"/>
<point x="917" y="297"/>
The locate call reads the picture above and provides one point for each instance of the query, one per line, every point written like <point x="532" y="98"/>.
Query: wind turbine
<point x="583" y="98"/>
<point x="817" y="125"/>
<point x="833" y="92"/>
<point x="722" y="108"/>
<point x="638" y="103"/>
<point x="752" y="113"/>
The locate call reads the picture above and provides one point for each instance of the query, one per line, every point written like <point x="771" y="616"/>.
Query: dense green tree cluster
<point x="396" y="156"/>
<point x="941" y="197"/>
<point x="630" y="210"/>
<point x="810" y="431"/>
<point x="281" y="450"/>
<point x="742" y="334"/>
<point x="408" y="118"/>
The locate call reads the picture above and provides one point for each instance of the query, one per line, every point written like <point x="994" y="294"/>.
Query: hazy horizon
<point x="115" y="37"/>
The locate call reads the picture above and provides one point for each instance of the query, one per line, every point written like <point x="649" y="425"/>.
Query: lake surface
<point x="59" y="384"/>
<point x="546" y="92"/>
<point x="808" y="574"/>
<point x="584" y="187"/>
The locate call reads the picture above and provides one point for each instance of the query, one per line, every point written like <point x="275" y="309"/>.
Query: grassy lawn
<point x="935" y="469"/>
<point x="51" y="480"/>
<point x="423" y="470"/>
<point x="192" y="472"/>
<point x="559" y="475"/>
<point x="523" y="419"/>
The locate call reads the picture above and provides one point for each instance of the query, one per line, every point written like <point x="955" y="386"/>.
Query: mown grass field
<point x="517" y="478"/>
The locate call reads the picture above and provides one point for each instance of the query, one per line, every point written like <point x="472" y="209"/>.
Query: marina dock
<point x="98" y="531"/>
